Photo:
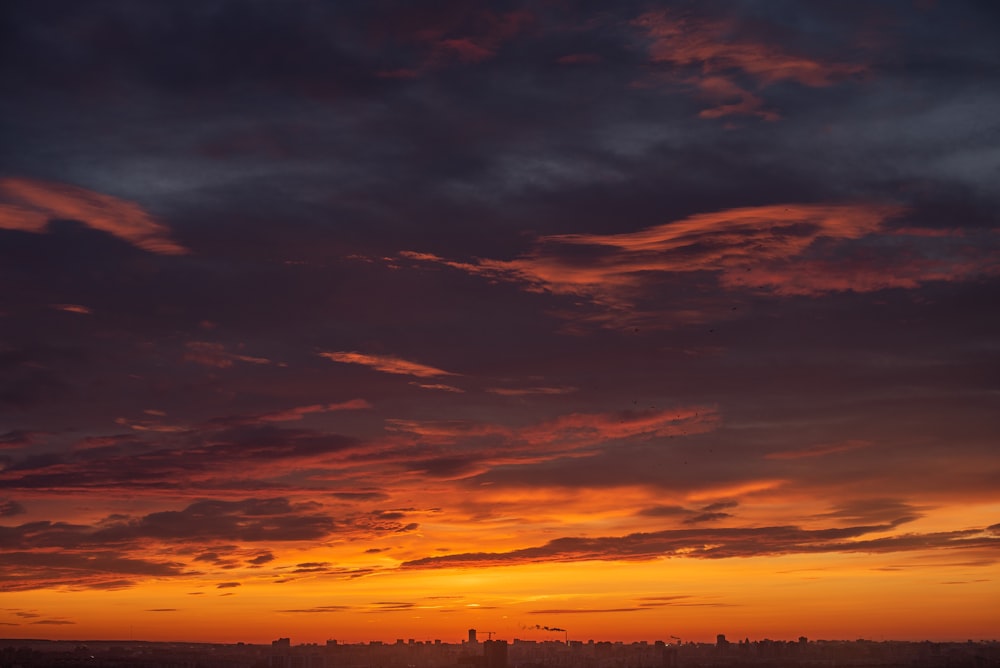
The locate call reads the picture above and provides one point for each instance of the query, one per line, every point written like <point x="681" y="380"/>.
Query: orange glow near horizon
<point x="844" y="597"/>
<point x="373" y="596"/>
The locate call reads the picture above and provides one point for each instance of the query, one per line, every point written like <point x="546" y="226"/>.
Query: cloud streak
<point x="722" y="543"/>
<point x="387" y="364"/>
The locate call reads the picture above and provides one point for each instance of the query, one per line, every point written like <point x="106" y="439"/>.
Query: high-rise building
<point x="472" y="637"/>
<point x="281" y="653"/>
<point x="495" y="654"/>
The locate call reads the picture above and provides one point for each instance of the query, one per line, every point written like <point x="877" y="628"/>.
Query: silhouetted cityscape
<point x="498" y="653"/>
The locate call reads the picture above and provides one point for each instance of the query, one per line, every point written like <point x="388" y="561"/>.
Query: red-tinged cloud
<point x="579" y="59"/>
<point x="387" y="364"/>
<point x="72" y="308"/>
<point x="465" y="50"/>
<point x="185" y="462"/>
<point x="150" y="425"/>
<point x="438" y="386"/>
<point x="299" y="412"/>
<point x="713" y="47"/>
<point x="708" y="55"/>
<point x="868" y="271"/>
<point x="29" y="205"/>
<point x="90" y="569"/>
<point x="527" y="391"/>
<point x="781" y="250"/>
<point x="9" y="508"/>
<point x="464" y="37"/>
<point x="744" y="103"/>
<point x="17" y="439"/>
<point x="445" y="430"/>
<point x="573" y="430"/>
<point x="216" y="355"/>
<point x="770" y="248"/>
<point x="594" y="428"/>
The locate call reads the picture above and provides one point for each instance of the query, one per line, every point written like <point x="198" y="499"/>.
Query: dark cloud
<point x="720" y="505"/>
<point x="360" y="496"/>
<point x="207" y="556"/>
<point x="719" y="543"/>
<point x="708" y="513"/>
<point x="319" y="609"/>
<point x="391" y="605"/>
<point x="313" y="567"/>
<point x="875" y="510"/>
<point x="250" y="520"/>
<point x="261" y="559"/>
<point x="205" y="451"/>
<point x="10" y="507"/>
<point x="17" y="439"/>
<point x="663" y="511"/>
<point x="95" y="569"/>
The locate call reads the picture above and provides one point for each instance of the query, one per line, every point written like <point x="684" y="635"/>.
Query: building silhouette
<point x="495" y="654"/>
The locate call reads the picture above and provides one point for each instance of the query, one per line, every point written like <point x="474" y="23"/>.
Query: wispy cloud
<point x="820" y="450"/>
<point x="710" y="54"/>
<point x="29" y="205"/>
<point x="299" y="412"/>
<point x="387" y="364"/>
<point x="216" y="355"/>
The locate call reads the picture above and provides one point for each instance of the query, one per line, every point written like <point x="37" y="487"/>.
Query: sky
<point x="556" y="319"/>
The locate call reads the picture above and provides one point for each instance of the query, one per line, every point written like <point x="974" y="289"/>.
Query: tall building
<point x="281" y="653"/>
<point x="472" y="637"/>
<point x="495" y="654"/>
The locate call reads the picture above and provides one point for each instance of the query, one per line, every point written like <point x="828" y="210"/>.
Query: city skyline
<point x="637" y="319"/>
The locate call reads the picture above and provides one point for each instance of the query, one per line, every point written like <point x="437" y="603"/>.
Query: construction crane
<point x="677" y="639"/>
<point x="489" y="634"/>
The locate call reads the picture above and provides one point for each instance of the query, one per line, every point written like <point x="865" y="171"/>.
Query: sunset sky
<point x="373" y="320"/>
